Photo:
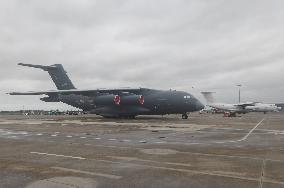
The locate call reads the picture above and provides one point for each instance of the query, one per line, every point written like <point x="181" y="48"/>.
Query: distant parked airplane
<point x="263" y="107"/>
<point x="241" y="108"/>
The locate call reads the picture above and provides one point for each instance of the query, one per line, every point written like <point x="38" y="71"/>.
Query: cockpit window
<point x="187" y="97"/>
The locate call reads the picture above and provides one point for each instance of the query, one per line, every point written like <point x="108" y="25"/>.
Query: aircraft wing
<point x="84" y="92"/>
<point x="244" y="105"/>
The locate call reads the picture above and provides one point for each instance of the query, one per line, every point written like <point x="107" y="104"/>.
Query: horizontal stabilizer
<point x="57" y="73"/>
<point x="43" y="67"/>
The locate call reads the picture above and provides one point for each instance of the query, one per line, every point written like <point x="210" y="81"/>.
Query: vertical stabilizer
<point x="57" y="74"/>
<point x="208" y="97"/>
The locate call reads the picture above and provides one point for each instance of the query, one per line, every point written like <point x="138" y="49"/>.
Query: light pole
<point x="239" y="85"/>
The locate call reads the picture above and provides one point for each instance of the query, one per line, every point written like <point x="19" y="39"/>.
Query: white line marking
<point x="143" y="141"/>
<point x="190" y="171"/>
<point x="160" y="142"/>
<point x="270" y="130"/>
<point x="232" y="141"/>
<point x="56" y="155"/>
<point x="97" y="138"/>
<point x="246" y="136"/>
<point x="192" y="143"/>
<point x="220" y="142"/>
<point x="228" y="129"/>
<point x="54" y="135"/>
<point x="88" y="173"/>
<point x="83" y="137"/>
<point x="111" y="139"/>
<point x="39" y="134"/>
<point x="69" y="136"/>
<point x="126" y="140"/>
<point x="190" y="153"/>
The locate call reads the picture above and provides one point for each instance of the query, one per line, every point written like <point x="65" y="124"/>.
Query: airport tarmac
<point x="208" y="151"/>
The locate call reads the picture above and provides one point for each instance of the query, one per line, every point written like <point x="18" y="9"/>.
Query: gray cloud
<point x="211" y="45"/>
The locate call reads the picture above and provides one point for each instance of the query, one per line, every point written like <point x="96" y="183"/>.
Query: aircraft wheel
<point x="131" y="117"/>
<point x="226" y="114"/>
<point x="184" y="116"/>
<point x="232" y="114"/>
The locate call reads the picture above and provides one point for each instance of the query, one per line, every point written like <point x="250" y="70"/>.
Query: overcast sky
<point x="190" y="45"/>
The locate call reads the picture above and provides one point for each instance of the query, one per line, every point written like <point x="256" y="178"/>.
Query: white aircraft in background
<point x="231" y="110"/>
<point x="209" y="109"/>
<point x="228" y="109"/>
<point x="263" y="107"/>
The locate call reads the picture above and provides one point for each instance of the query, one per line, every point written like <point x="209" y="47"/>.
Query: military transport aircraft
<point x="120" y="102"/>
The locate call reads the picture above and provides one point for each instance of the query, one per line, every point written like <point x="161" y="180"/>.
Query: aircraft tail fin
<point x="57" y="74"/>
<point x="208" y="97"/>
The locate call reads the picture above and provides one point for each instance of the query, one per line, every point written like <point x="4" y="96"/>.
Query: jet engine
<point x="132" y="100"/>
<point x="107" y="100"/>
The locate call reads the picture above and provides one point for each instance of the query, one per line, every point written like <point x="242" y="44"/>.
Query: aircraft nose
<point x="199" y="106"/>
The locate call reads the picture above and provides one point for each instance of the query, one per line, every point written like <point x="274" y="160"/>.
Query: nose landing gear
<point x="184" y="116"/>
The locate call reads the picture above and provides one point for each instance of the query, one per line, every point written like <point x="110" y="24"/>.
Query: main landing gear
<point x="230" y="114"/>
<point x="184" y="116"/>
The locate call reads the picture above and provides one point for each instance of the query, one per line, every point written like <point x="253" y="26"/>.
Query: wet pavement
<point x="150" y="151"/>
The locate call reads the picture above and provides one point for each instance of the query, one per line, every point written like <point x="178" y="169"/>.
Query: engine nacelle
<point x="107" y="100"/>
<point x="132" y="100"/>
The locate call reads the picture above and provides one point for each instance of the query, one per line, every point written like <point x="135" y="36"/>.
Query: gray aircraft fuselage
<point x="157" y="102"/>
